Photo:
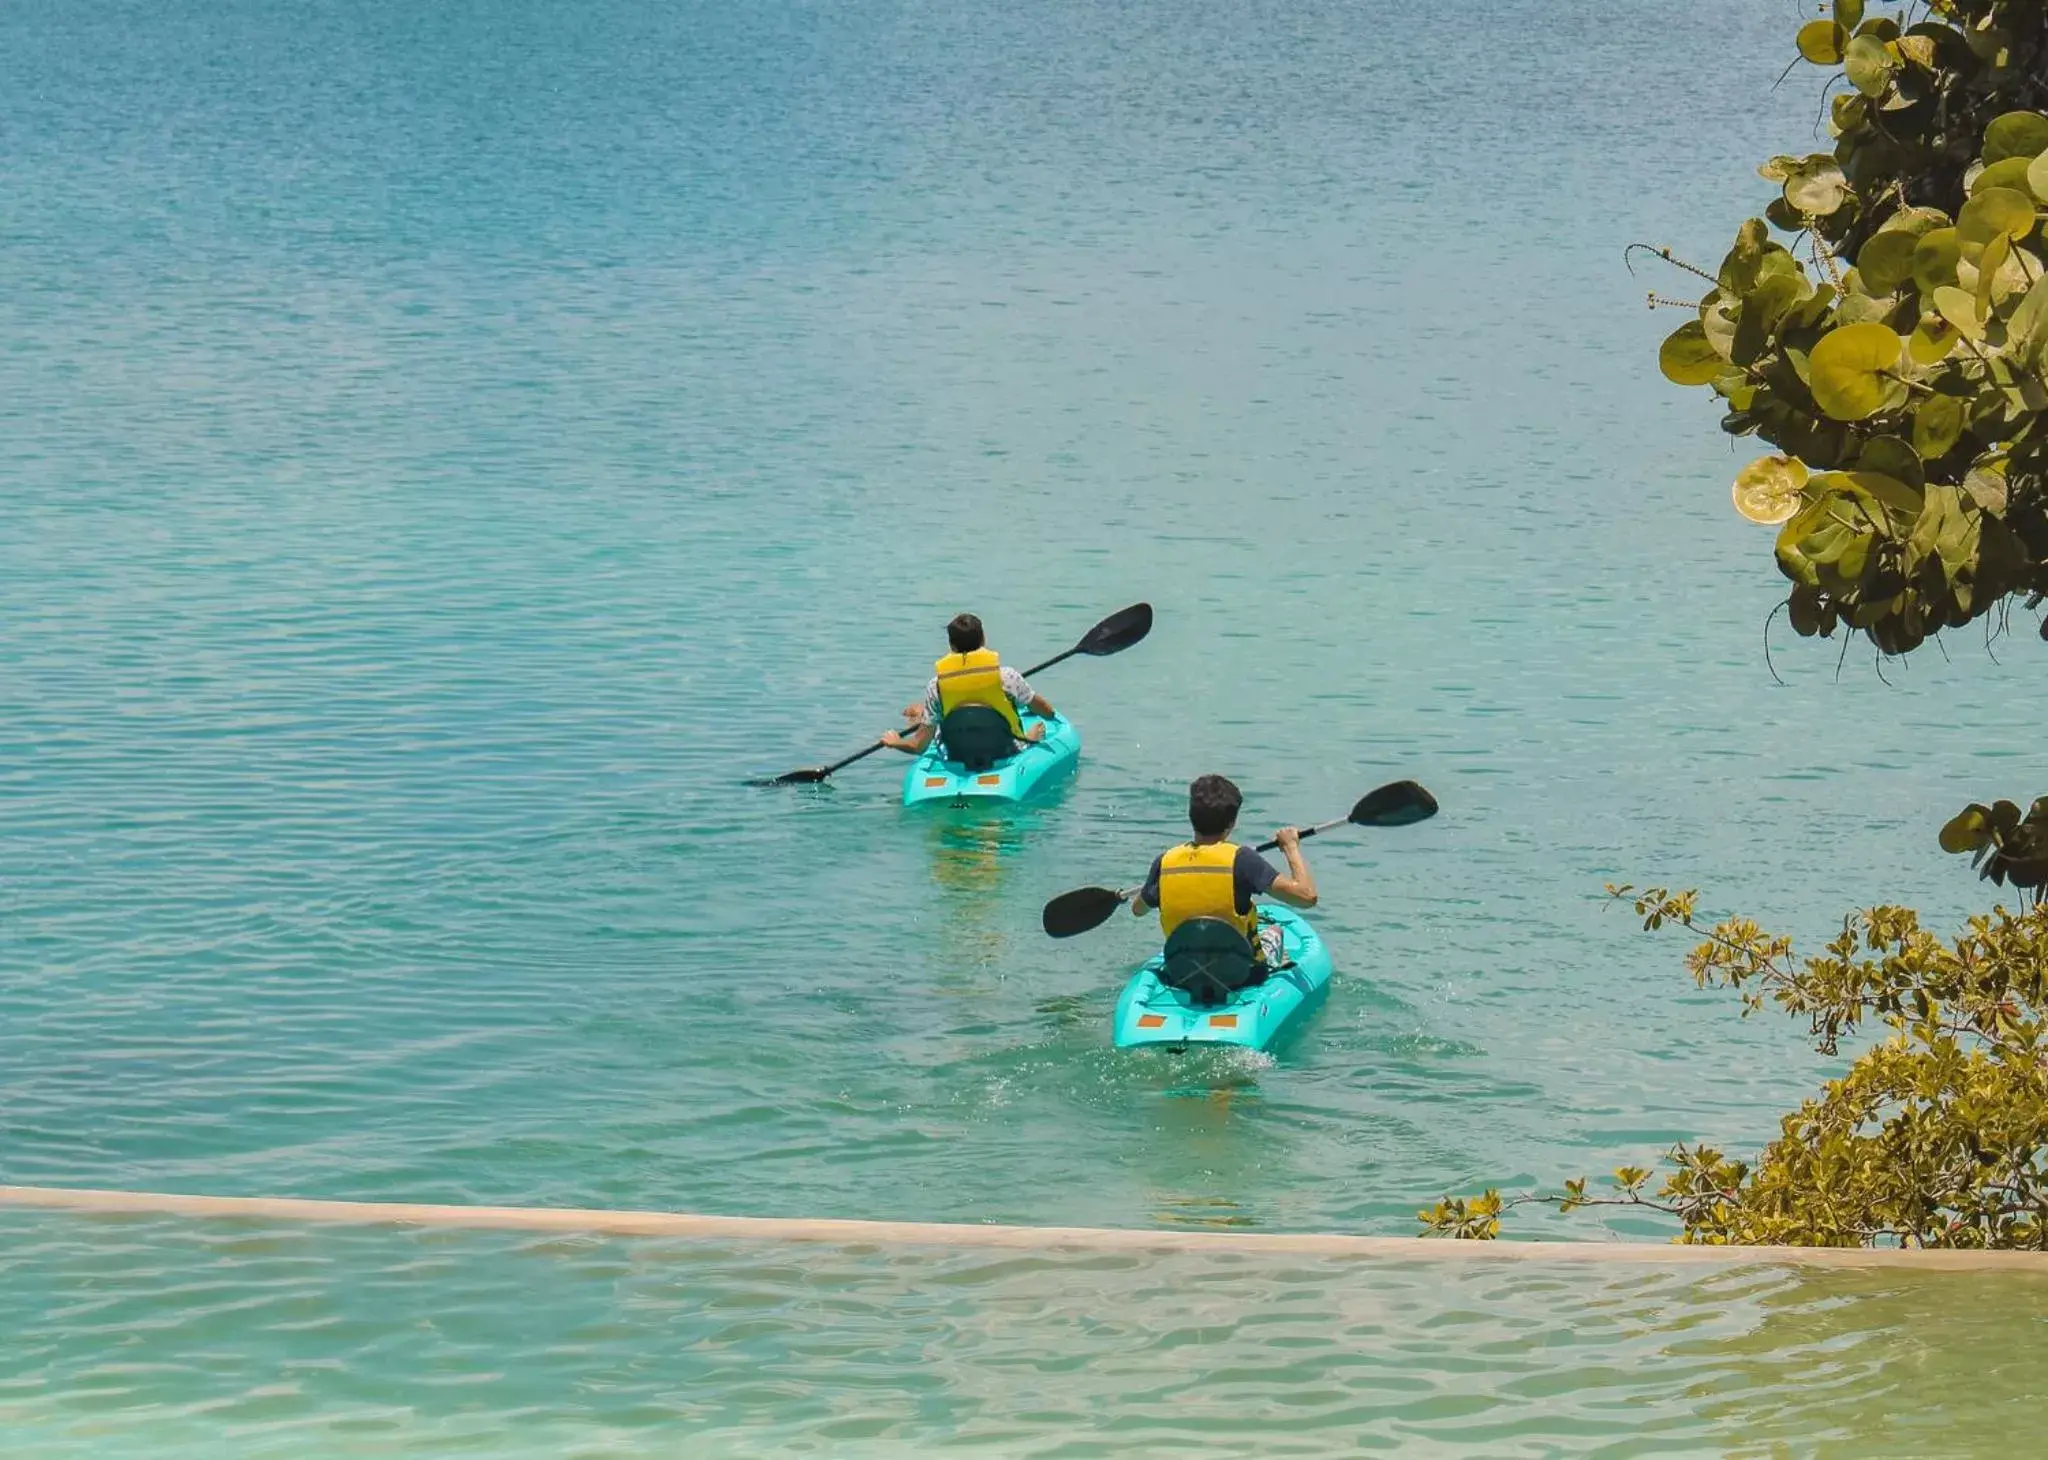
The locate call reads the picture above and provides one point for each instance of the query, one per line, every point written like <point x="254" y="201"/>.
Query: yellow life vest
<point x="1200" y="882"/>
<point x="975" y="678"/>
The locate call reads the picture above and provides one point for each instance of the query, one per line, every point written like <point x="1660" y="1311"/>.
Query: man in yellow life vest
<point x="973" y="674"/>
<point x="1212" y="877"/>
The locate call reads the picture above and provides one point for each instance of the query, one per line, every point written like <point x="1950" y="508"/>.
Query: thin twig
<point x="1664" y="252"/>
<point x="1786" y="604"/>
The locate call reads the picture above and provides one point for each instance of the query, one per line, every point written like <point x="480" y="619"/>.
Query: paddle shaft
<point x="840" y="765"/>
<point x="1057" y="658"/>
<point x="1306" y="832"/>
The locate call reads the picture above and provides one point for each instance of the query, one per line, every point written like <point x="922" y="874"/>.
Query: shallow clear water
<point x="446" y="451"/>
<point x="141" y="1338"/>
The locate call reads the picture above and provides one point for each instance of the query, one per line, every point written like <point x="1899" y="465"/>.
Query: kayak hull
<point x="1260" y="1017"/>
<point x="1035" y="767"/>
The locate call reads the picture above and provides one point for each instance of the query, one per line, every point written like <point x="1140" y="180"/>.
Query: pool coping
<point x="847" y="1232"/>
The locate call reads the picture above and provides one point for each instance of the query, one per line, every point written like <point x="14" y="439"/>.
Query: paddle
<point x="1399" y="803"/>
<point x="1113" y="635"/>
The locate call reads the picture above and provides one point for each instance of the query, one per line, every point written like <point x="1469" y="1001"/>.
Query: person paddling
<point x="1213" y="877"/>
<point x="972" y="674"/>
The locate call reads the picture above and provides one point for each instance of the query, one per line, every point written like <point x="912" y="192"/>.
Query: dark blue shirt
<point x="1252" y="876"/>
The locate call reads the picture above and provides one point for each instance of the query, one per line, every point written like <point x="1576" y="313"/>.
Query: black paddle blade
<point x="1399" y="803"/>
<point x="1119" y="631"/>
<point x="806" y="777"/>
<point x="1079" y="910"/>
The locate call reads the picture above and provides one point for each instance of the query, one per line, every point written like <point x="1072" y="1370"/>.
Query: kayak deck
<point x="1257" y="1017"/>
<point x="1041" y="764"/>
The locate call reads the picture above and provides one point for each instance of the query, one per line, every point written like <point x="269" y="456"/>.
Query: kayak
<point x="1149" y="1013"/>
<point x="1040" y="764"/>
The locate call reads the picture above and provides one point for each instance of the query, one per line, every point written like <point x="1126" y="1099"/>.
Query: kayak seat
<point x="1209" y="960"/>
<point x="977" y="737"/>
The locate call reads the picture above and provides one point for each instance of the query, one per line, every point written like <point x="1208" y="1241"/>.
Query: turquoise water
<point x="273" y="1342"/>
<point x="446" y="452"/>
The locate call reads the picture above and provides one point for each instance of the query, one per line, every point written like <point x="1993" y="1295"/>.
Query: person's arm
<point x="1147" y="897"/>
<point x="911" y="744"/>
<point x="924" y="723"/>
<point x="1297" y="885"/>
<point x="1024" y="697"/>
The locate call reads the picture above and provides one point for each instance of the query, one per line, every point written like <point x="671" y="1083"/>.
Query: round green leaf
<point x="1919" y="221"/>
<point x="1959" y="308"/>
<point x="1938" y="425"/>
<point x="1994" y="213"/>
<point x="1991" y="44"/>
<point x="1918" y="49"/>
<point x="1687" y="359"/>
<point x="1903" y="499"/>
<point x="1986" y="483"/>
<point x="2011" y="173"/>
<point x="1848" y="13"/>
<point x="1935" y="257"/>
<point x="1869" y="64"/>
<point x="1743" y="264"/>
<point x="1858" y="306"/>
<point x="1892" y="457"/>
<point x="1783" y="215"/>
<point x="2026" y="332"/>
<point x="1803" y="608"/>
<point x="1886" y="259"/>
<point x="1827" y="544"/>
<point x="1762" y="313"/>
<point x="1997" y="275"/>
<point x="1767" y="490"/>
<point x="2016" y="134"/>
<point x="1720" y="321"/>
<point x="1822" y="42"/>
<point x="1967" y="830"/>
<point x="2037" y="176"/>
<point x="1817" y="187"/>
<point x="1855" y="370"/>
<point x="1795" y="538"/>
<point x="1932" y="340"/>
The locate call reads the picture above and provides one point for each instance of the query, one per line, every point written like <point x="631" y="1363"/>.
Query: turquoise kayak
<point x="1258" y="1017"/>
<point x="1033" y="767"/>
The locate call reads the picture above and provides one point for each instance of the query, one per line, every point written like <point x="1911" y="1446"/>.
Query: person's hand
<point x="914" y="713"/>
<point x="1288" y="837"/>
<point x="891" y="740"/>
<point x="1035" y="734"/>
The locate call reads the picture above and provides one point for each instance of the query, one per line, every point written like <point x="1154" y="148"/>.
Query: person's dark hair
<point x="964" y="634"/>
<point x="1213" y="803"/>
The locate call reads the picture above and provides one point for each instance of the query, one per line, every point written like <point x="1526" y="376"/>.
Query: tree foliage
<point x="1937" y="1136"/>
<point x="1901" y="367"/>
<point x="1900" y="370"/>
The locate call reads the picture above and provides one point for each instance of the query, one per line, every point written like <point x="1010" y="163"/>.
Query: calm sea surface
<point x="445" y="450"/>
